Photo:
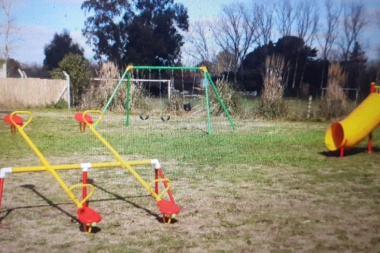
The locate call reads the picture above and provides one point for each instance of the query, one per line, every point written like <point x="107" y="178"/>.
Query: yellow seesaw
<point x="86" y="215"/>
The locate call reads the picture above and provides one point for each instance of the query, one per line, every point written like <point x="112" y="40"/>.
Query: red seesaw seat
<point x="82" y="120"/>
<point x="15" y="120"/>
<point x="88" y="217"/>
<point x="168" y="208"/>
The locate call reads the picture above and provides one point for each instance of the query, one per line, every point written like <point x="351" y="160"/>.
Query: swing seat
<point x="187" y="107"/>
<point x="16" y="119"/>
<point x="142" y="117"/>
<point x="163" y="118"/>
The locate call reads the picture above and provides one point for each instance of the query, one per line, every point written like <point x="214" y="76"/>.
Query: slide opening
<point x="334" y="137"/>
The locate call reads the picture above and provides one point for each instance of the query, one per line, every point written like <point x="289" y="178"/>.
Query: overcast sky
<point x="38" y="20"/>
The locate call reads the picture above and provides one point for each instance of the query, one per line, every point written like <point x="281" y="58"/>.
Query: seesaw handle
<point x="21" y="112"/>
<point x="166" y="188"/>
<point x="93" y="112"/>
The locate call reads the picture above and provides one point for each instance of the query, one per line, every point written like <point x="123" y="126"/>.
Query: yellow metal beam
<point x="78" y="166"/>
<point x="124" y="164"/>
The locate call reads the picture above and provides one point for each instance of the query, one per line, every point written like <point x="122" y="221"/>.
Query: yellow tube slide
<point x="357" y="126"/>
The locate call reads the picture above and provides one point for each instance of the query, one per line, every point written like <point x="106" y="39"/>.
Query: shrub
<point x="335" y="103"/>
<point x="271" y="100"/>
<point x="61" y="104"/>
<point x="78" y="69"/>
<point x="98" y="95"/>
<point x="227" y="93"/>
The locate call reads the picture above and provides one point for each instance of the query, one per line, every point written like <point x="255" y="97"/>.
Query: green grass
<point x="269" y="186"/>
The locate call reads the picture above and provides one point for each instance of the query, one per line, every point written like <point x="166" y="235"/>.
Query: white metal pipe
<point x="4" y="171"/>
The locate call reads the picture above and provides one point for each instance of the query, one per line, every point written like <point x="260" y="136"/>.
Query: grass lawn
<point x="268" y="186"/>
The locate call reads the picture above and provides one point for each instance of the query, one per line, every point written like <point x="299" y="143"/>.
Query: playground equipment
<point x="358" y="125"/>
<point x="206" y="79"/>
<point x="86" y="215"/>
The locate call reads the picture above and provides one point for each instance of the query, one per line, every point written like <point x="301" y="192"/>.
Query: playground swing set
<point x="129" y="75"/>
<point x="187" y="105"/>
<point x="86" y="215"/>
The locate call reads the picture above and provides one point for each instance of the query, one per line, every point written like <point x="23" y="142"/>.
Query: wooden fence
<point x="30" y="92"/>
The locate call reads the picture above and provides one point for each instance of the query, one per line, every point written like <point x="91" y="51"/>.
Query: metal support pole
<point x="68" y="89"/>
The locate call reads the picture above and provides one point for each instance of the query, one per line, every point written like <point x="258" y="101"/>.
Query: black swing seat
<point x="142" y="117"/>
<point x="187" y="107"/>
<point x="163" y="118"/>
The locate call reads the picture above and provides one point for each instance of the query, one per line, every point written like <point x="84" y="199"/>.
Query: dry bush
<point x="227" y="93"/>
<point x="271" y="103"/>
<point x="98" y="95"/>
<point x="335" y="102"/>
<point x="139" y="97"/>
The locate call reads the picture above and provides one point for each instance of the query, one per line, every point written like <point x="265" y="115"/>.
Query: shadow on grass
<point x="50" y="203"/>
<point x="74" y="218"/>
<point x="349" y="152"/>
<point x="119" y="197"/>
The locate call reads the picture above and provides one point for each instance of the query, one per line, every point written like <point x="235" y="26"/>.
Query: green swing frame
<point x="207" y="83"/>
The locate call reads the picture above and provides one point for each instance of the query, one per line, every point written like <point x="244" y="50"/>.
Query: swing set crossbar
<point x="165" y="68"/>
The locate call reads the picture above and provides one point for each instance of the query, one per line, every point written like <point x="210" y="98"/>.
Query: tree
<point x="356" y="69"/>
<point x="293" y="51"/>
<point x="354" y="21"/>
<point x="146" y="33"/>
<point x="329" y="34"/>
<point x="77" y="67"/>
<point x="264" y="15"/>
<point x="307" y="21"/>
<point x="224" y="61"/>
<point x="59" y="47"/>
<point x="285" y="17"/>
<point x="199" y="40"/>
<point x="6" y="6"/>
<point x="8" y="29"/>
<point x="12" y="68"/>
<point x="236" y="32"/>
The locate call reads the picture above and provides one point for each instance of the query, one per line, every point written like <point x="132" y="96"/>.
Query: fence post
<point x="68" y="89"/>
<point x="309" y="106"/>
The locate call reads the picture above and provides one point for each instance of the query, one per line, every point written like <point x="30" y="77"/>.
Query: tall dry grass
<point x="271" y="103"/>
<point x="228" y="93"/>
<point x="100" y="91"/>
<point x="335" y="103"/>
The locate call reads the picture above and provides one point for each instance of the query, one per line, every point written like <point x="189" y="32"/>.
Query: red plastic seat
<point x="79" y="117"/>
<point x="16" y="119"/>
<point x="87" y="215"/>
<point x="167" y="207"/>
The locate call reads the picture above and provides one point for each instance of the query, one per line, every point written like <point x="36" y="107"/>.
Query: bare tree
<point x="329" y="34"/>
<point x="307" y="20"/>
<point x="235" y="32"/>
<point x="306" y="28"/>
<point x="6" y="6"/>
<point x="285" y="17"/>
<point x="354" y="22"/>
<point x="198" y="38"/>
<point x="265" y="20"/>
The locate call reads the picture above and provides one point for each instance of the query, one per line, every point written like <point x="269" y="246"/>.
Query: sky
<point x="36" y="22"/>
